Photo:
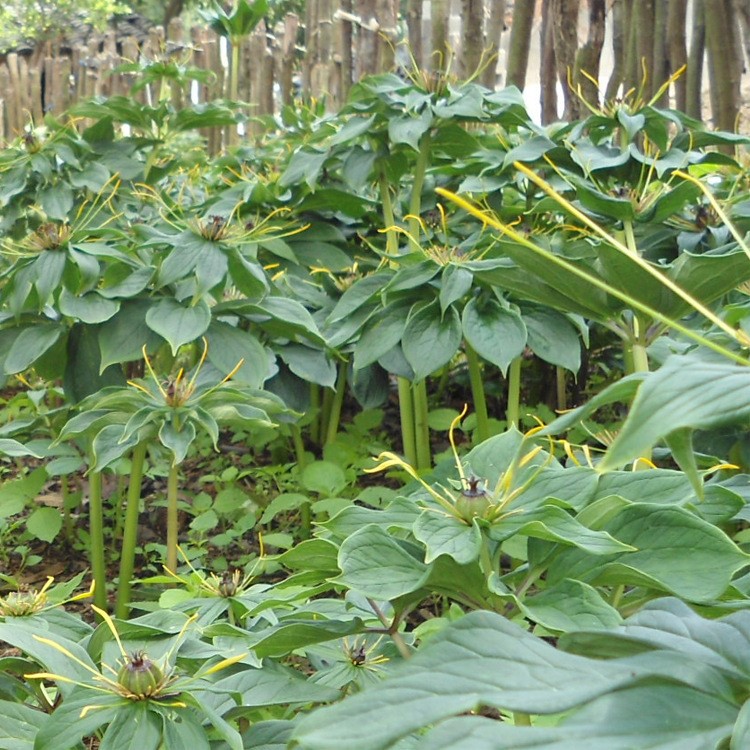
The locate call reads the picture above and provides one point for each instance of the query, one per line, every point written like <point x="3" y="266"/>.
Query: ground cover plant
<point x="243" y="382"/>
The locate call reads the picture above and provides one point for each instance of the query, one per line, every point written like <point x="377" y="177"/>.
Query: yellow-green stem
<point x="315" y="409"/>
<point x="391" y="236"/>
<point x="130" y="531"/>
<point x="96" y="536"/>
<point x="334" y="417"/>
<point x="172" y="519"/>
<point x="512" y="415"/>
<point x="477" y="393"/>
<point x="562" y="389"/>
<point x="406" y="415"/>
<point x="415" y="204"/>
<point x="421" y="427"/>
<point x="521" y="719"/>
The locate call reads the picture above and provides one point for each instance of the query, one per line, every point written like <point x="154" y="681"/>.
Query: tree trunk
<point x="643" y="24"/>
<point x="345" y="46"/>
<point x="694" y="73"/>
<point x="472" y="37"/>
<point x="520" y="41"/>
<point x="440" y="53"/>
<point x="724" y="64"/>
<point x="677" y="46"/>
<point x="495" y="27"/>
<point x="620" y="32"/>
<point x="742" y="11"/>
<point x="661" y="71"/>
<point x="565" y="23"/>
<point x="414" y="27"/>
<point x="367" y="39"/>
<point x="589" y="56"/>
<point x="547" y="68"/>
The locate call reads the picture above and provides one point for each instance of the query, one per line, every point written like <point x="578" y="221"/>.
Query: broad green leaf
<point x="184" y="733"/>
<point x="122" y="337"/>
<point x="273" y="684"/>
<point x="47" y="270"/>
<point x="29" y="346"/>
<point x="429" y="340"/>
<point x="108" y="446"/>
<point x="684" y="392"/>
<point x="442" y="534"/>
<point x="454" y="284"/>
<point x="553" y="524"/>
<point x="409" y="128"/>
<point x="44" y="523"/>
<point x="496" y="334"/>
<point x="373" y="563"/>
<point x="178" y="324"/>
<point x="324" y="477"/>
<point x="570" y="605"/>
<point x="19" y="725"/>
<point x="227" y="345"/>
<point x="309" y="364"/>
<point x="381" y="334"/>
<point x="83" y="372"/>
<point x="56" y="201"/>
<point x="135" y="725"/>
<point x="622" y="390"/>
<point x="66" y="727"/>
<point x="677" y="553"/>
<point x="553" y="338"/>
<point x="9" y="447"/>
<point x="23" y="633"/>
<point x="178" y="441"/>
<point x="304" y="166"/>
<point x="474" y="661"/>
<point x="669" y="624"/>
<point x="89" y="308"/>
<point x="658" y="717"/>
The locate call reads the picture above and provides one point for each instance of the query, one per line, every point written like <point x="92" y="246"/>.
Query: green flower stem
<point x="315" y="409"/>
<point x="485" y="558"/>
<point x="334" y="417"/>
<point x="406" y="414"/>
<point x="325" y="414"/>
<point x="130" y="533"/>
<point x="305" y="511"/>
<point x="119" y="497"/>
<point x="391" y="629"/>
<point x="512" y="415"/>
<point x="640" y="357"/>
<point x="172" y="520"/>
<point x="391" y="236"/>
<point x="421" y="428"/>
<point x="415" y="203"/>
<point x="477" y="393"/>
<point x="562" y="391"/>
<point x="96" y="533"/>
<point x="521" y="719"/>
<point x="617" y="593"/>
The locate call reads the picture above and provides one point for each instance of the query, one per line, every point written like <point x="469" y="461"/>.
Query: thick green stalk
<point x="406" y="414"/>
<point x="130" y="531"/>
<point x="315" y="409"/>
<point x="562" y="390"/>
<point x="299" y="452"/>
<point x="391" y="236"/>
<point x="513" y="413"/>
<point x="421" y="427"/>
<point x="477" y="393"/>
<point x="415" y="204"/>
<point x="96" y="541"/>
<point x="521" y="719"/>
<point x="334" y="417"/>
<point x="172" y="518"/>
<point x="325" y="414"/>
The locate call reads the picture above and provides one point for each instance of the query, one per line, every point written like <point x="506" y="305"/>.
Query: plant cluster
<point x="425" y="246"/>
